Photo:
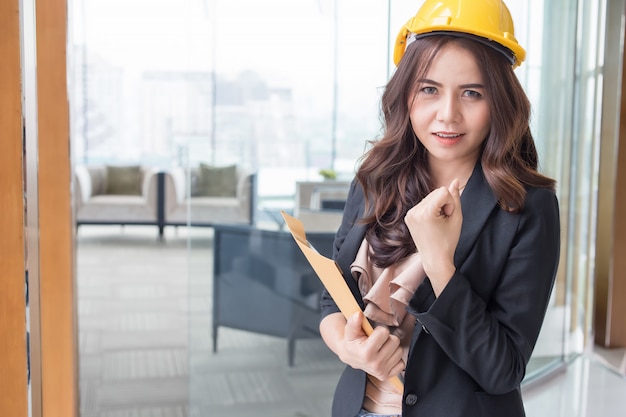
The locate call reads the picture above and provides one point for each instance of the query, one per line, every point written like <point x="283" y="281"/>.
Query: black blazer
<point x="470" y="345"/>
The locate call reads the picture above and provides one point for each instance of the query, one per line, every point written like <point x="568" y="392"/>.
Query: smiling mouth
<point x="448" y="135"/>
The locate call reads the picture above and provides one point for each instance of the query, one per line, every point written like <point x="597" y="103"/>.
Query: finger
<point x="354" y="329"/>
<point x="392" y="365"/>
<point x="455" y="192"/>
<point x="445" y="202"/>
<point x="392" y="351"/>
<point x="453" y="198"/>
<point x="454" y="189"/>
<point x="433" y="203"/>
<point x="397" y="369"/>
<point x="379" y="338"/>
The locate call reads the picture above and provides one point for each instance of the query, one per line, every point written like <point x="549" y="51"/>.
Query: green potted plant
<point x="328" y="174"/>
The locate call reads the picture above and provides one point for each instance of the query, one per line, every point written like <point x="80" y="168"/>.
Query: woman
<point x="450" y="235"/>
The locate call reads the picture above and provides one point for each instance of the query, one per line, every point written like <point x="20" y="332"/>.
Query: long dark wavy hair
<point x="394" y="172"/>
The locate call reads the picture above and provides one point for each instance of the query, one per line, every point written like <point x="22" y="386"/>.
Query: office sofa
<point x="106" y="194"/>
<point x="205" y="195"/>
<point x="132" y="195"/>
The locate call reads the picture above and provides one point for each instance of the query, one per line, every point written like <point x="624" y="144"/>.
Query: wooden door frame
<point x="609" y="283"/>
<point x="13" y="358"/>
<point x="44" y="246"/>
<point x="57" y="292"/>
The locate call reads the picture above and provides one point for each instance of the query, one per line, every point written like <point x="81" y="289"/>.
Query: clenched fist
<point x="435" y="226"/>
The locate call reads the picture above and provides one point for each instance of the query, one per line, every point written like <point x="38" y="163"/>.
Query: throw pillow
<point x="218" y="181"/>
<point x="124" y="180"/>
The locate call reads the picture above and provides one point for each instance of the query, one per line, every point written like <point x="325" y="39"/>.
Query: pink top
<point x="386" y="292"/>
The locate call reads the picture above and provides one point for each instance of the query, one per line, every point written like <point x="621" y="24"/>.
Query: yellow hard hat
<point x="490" y="20"/>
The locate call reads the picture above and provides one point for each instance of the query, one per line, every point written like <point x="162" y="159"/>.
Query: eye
<point x="472" y="94"/>
<point x="429" y="90"/>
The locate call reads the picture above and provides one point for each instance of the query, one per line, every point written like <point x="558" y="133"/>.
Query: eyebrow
<point x="435" y="83"/>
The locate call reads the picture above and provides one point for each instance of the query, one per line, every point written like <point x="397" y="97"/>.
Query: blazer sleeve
<point x="492" y="339"/>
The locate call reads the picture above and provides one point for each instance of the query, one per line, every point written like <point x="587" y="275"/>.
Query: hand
<point x="435" y="225"/>
<point x="378" y="354"/>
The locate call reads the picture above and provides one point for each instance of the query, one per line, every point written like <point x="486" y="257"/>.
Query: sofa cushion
<point x="123" y="180"/>
<point x="216" y="181"/>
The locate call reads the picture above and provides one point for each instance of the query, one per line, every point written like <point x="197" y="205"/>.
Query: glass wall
<point x="564" y="79"/>
<point x="283" y="89"/>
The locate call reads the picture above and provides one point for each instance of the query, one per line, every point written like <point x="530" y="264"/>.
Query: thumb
<point x="450" y="207"/>
<point x="353" y="330"/>
<point x="454" y="189"/>
<point x="455" y="193"/>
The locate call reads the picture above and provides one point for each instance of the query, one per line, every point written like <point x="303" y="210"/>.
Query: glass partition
<point x="266" y="95"/>
<point x="327" y="128"/>
<point x="563" y="78"/>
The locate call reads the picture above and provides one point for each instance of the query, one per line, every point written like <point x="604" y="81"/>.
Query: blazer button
<point x="411" y="399"/>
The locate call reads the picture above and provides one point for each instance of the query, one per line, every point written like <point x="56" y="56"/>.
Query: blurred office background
<point x="285" y="89"/>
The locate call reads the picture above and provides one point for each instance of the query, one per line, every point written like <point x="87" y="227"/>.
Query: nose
<point x="449" y="111"/>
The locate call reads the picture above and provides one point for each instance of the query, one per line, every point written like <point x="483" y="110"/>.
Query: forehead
<point x="454" y="62"/>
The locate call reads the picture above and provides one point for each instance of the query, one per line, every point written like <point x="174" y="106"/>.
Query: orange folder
<point x="332" y="278"/>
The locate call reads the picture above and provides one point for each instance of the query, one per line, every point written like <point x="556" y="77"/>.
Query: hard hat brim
<point x="508" y="54"/>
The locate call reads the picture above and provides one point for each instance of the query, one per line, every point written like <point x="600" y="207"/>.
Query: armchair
<point x="225" y="195"/>
<point x="262" y="283"/>
<point x="117" y="195"/>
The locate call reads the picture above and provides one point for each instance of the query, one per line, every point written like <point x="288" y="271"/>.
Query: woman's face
<point x="449" y="111"/>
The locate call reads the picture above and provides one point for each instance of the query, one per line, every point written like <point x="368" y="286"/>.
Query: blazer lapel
<point x="477" y="202"/>
<point x="351" y="243"/>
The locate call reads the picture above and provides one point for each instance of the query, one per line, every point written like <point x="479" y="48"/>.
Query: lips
<point x="447" y="138"/>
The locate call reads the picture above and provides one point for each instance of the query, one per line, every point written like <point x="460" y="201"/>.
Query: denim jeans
<point x="365" y="413"/>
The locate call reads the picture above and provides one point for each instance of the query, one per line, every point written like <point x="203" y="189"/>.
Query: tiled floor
<point x="145" y="344"/>
<point x="585" y="389"/>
